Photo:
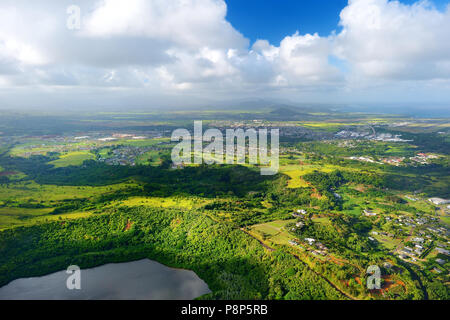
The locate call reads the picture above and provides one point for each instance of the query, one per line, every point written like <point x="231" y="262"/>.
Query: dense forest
<point x="234" y="265"/>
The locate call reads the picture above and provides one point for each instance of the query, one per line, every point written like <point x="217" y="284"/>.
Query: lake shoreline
<point x="142" y="279"/>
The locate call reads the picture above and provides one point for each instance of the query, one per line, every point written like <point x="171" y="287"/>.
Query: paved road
<point x="298" y="258"/>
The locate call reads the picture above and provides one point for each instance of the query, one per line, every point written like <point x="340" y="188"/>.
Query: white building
<point x="438" y="201"/>
<point x="369" y="213"/>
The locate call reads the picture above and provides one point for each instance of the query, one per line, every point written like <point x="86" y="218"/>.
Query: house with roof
<point x="442" y="251"/>
<point x="438" y="201"/>
<point x="437" y="270"/>
<point x="369" y="213"/>
<point x="299" y="224"/>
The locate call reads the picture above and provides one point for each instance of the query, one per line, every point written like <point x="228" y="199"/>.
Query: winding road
<point x="298" y="258"/>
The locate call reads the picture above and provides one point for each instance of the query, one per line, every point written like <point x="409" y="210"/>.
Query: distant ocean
<point x="411" y="111"/>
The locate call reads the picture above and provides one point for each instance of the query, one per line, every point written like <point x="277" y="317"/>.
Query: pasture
<point x="274" y="231"/>
<point x="75" y="158"/>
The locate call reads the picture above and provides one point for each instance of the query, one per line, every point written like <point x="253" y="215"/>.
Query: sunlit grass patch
<point x="322" y="220"/>
<point x="387" y="242"/>
<point x="30" y="190"/>
<point x="326" y="126"/>
<point x="296" y="172"/>
<point x="273" y="231"/>
<point x="17" y="218"/>
<point x="169" y="202"/>
<point x="75" y="158"/>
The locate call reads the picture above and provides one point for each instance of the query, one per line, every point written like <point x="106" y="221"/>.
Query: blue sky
<point x="274" y="19"/>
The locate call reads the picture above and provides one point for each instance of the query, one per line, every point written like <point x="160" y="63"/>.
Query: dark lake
<point x="138" y="280"/>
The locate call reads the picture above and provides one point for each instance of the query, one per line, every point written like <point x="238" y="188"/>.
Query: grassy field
<point x="170" y="202"/>
<point x="444" y="216"/>
<point x="421" y="204"/>
<point x="144" y="142"/>
<point x="14" y="217"/>
<point x="326" y="126"/>
<point x="386" y="241"/>
<point x="273" y="231"/>
<point x="75" y="158"/>
<point x="152" y="158"/>
<point x="295" y="172"/>
<point x="322" y="220"/>
<point x="26" y="191"/>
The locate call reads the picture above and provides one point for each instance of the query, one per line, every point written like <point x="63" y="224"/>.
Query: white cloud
<point x="188" y="23"/>
<point x="188" y="47"/>
<point x="387" y="39"/>
<point x="306" y="58"/>
<point x="15" y="45"/>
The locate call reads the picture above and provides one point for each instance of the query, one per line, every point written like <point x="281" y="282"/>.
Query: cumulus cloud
<point x="188" y="23"/>
<point x="188" y="47"/>
<point x="387" y="39"/>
